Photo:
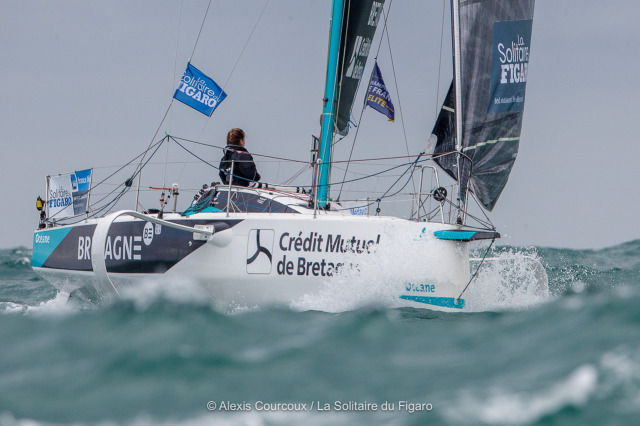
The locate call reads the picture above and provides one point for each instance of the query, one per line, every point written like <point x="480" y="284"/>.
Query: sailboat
<point x="251" y="246"/>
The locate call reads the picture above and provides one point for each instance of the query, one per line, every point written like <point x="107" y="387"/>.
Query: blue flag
<point x="80" y="185"/>
<point x="199" y="91"/>
<point x="377" y="97"/>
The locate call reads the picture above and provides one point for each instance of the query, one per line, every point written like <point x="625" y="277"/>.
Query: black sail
<point x="442" y="142"/>
<point x="495" y="43"/>
<point x="359" y="22"/>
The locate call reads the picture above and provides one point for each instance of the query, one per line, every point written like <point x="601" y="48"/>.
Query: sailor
<point x="244" y="169"/>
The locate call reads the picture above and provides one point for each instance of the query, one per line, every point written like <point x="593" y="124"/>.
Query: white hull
<point x="256" y="259"/>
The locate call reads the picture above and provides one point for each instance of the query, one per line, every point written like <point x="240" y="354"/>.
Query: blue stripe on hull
<point x="454" y="235"/>
<point x="445" y="302"/>
<point x="461" y="235"/>
<point x="45" y="242"/>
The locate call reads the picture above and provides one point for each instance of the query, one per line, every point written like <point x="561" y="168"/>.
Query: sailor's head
<point x="236" y="137"/>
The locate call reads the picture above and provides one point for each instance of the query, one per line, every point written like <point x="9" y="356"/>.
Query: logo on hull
<point x="123" y="248"/>
<point x="259" y="248"/>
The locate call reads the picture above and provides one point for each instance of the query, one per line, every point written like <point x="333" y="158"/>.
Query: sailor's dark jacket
<point x="244" y="169"/>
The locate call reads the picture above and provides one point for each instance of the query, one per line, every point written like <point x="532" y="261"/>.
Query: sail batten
<point x="491" y="142"/>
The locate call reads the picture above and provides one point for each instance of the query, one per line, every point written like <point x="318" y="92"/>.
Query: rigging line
<point x="397" y="92"/>
<point x="487" y="225"/>
<point x="111" y="204"/>
<point x="175" y="59"/>
<point x="477" y="270"/>
<point x="105" y="197"/>
<point x="200" y="32"/>
<point x="120" y="169"/>
<point x="166" y="161"/>
<point x="309" y="186"/>
<point x="444" y="6"/>
<point x="134" y="175"/>
<point x="473" y="196"/>
<point x="404" y="130"/>
<point x="432" y="213"/>
<point x="336" y="142"/>
<point x="208" y="163"/>
<point x="157" y="145"/>
<point x="173" y="87"/>
<point x="298" y="173"/>
<point x="166" y="138"/>
<point x="364" y="103"/>
<point x="224" y="86"/>
<point x="431" y="156"/>
<point x="410" y="179"/>
<point x="411" y="166"/>
<point x="94" y="213"/>
<point x="153" y="138"/>
<point x="201" y="159"/>
<point x="161" y="122"/>
<point x="122" y="191"/>
<point x="184" y="166"/>
<point x="353" y="145"/>
<point x="364" y="106"/>
<point x="395" y="80"/>
<point x="384" y="28"/>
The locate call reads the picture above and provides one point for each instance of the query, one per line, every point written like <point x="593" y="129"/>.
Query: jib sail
<point x="495" y="44"/>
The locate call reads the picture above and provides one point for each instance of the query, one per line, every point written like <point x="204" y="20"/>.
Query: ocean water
<point x="515" y="356"/>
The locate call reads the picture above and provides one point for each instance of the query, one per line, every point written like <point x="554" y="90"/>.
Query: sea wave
<point x="157" y="357"/>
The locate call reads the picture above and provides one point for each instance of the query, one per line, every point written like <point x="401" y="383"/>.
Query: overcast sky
<point x="86" y="84"/>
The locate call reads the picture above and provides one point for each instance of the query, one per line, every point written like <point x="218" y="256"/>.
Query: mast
<point x="328" y="114"/>
<point x="457" y="74"/>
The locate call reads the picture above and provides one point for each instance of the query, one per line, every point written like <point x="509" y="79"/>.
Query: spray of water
<point x="376" y="279"/>
<point x="56" y="306"/>
<point x="512" y="279"/>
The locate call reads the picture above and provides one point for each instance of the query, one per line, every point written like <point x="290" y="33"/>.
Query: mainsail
<point x="353" y="25"/>
<point x="495" y="42"/>
<point x="359" y="23"/>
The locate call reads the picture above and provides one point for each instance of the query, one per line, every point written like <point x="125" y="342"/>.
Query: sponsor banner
<point x="509" y="65"/>
<point x="356" y="208"/>
<point x="199" y="91"/>
<point x="317" y="253"/>
<point x="81" y="183"/>
<point x="378" y="97"/>
<point x="83" y="177"/>
<point x="60" y="196"/>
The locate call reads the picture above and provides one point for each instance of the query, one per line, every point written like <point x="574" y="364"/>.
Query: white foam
<point x="508" y="407"/>
<point x="621" y="377"/>
<point x="148" y="291"/>
<point x="578" y="286"/>
<point x="375" y="279"/>
<point x="6" y="419"/>
<point x="23" y="261"/>
<point x="250" y="418"/>
<point x="621" y="365"/>
<point x="510" y="280"/>
<point x="56" y="306"/>
<point x="12" y="308"/>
